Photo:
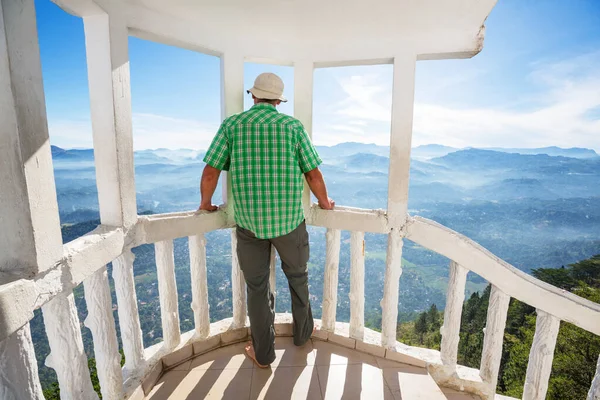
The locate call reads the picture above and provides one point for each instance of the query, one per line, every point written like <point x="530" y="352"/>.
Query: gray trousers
<point x="254" y="256"/>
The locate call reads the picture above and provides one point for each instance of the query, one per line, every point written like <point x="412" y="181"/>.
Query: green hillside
<point x="576" y="351"/>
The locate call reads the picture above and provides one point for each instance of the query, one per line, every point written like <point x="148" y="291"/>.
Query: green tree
<point x="421" y="325"/>
<point x="433" y="318"/>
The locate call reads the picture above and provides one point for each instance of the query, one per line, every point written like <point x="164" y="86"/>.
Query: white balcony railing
<point x="86" y="257"/>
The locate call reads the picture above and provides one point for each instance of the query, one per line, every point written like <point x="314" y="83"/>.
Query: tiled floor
<point x="318" y="370"/>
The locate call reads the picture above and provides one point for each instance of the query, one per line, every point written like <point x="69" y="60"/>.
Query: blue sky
<point x="536" y="83"/>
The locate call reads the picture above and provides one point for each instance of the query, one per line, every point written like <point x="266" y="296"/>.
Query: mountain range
<point x="535" y="208"/>
<point x="446" y="184"/>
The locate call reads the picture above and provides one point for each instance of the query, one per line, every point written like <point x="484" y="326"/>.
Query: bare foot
<point x="313" y="332"/>
<point x="250" y="353"/>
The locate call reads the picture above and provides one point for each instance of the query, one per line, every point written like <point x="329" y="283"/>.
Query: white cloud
<point x="150" y="131"/>
<point x="565" y="112"/>
<point x="70" y="133"/>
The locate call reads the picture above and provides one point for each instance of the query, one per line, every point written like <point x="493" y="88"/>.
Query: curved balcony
<point x="38" y="271"/>
<point x="85" y="258"/>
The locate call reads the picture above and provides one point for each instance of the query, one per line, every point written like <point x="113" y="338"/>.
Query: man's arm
<point x="208" y="184"/>
<point x="315" y="181"/>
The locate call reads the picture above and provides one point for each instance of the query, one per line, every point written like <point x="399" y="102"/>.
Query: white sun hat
<point x="268" y="86"/>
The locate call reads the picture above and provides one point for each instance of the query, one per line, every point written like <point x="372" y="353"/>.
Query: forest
<point x="576" y="350"/>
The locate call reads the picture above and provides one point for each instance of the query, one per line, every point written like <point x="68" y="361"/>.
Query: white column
<point x="303" y="107"/>
<point x="273" y="276"/>
<point x="403" y="94"/>
<point x="101" y="322"/>
<point x="357" y="285"/>
<point x="232" y="102"/>
<point x="541" y="356"/>
<point x="106" y="42"/>
<point x="67" y="356"/>
<point x="330" y="281"/>
<point x="594" y="393"/>
<point x="19" y="378"/>
<point x="197" y="246"/>
<point x="391" y="285"/>
<point x="129" y="317"/>
<point x="455" y="298"/>
<point x="30" y="238"/>
<point x="491" y="355"/>
<point x="167" y="290"/>
<point x="238" y="286"/>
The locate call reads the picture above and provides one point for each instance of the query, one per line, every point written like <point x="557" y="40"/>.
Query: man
<point x="266" y="154"/>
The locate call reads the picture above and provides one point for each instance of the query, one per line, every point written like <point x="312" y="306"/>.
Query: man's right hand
<point x="327" y="205"/>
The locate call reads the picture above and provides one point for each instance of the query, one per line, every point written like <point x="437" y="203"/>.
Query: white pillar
<point x="330" y="281"/>
<point x="197" y="246"/>
<point x="106" y="42"/>
<point x="19" y="378"/>
<point x="401" y="135"/>
<point x="303" y="107"/>
<point x="594" y="393"/>
<point x="167" y="290"/>
<point x="273" y="276"/>
<point x="357" y="285"/>
<point x="232" y="102"/>
<point x="30" y="238"/>
<point x="491" y="355"/>
<point x="391" y="285"/>
<point x="129" y="317"/>
<point x="455" y="299"/>
<point x="101" y="323"/>
<point x="238" y="286"/>
<point x="67" y="356"/>
<point x="541" y="356"/>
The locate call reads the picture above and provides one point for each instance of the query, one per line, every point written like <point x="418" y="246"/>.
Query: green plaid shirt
<point x="266" y="153"/>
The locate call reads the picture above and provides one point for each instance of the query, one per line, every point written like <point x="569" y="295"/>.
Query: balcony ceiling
<point x="313" y="30"/>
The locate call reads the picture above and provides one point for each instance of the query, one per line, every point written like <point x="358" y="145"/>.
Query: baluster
<point x="493" y="339"/>
<point x="197" y="246"/>
<point x="129" y="317"/>
<point x="238" y="286"/>
<point x="67" y="357"/>
<point x="391" y="285"/>
<point x="330" y="282"/>
<point x="167" y="290"/>
<point x="272" y="275"/>
<point x="357" y="285"/>
<point x="101" y="323"/>
<point x="594" y="393"/>
<point x="19" y="378"/>
<point x="455" y="297"/>
<point x="541" y="356"/>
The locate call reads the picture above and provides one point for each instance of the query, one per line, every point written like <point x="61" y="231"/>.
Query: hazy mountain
<point x="351" y="148"/>
<point x="366" y="162"/>
<point x="477" y="158"/>
<point x="451" y="188"/>
<point x="510" y="189"/>
<point x="574" y="152"/>
<point x="429" y="151"/>
<point x="72" y="154"/>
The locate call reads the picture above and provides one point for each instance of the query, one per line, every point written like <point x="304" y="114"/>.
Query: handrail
<point x="512" y="281"/>
<point x="82" y="258"/>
